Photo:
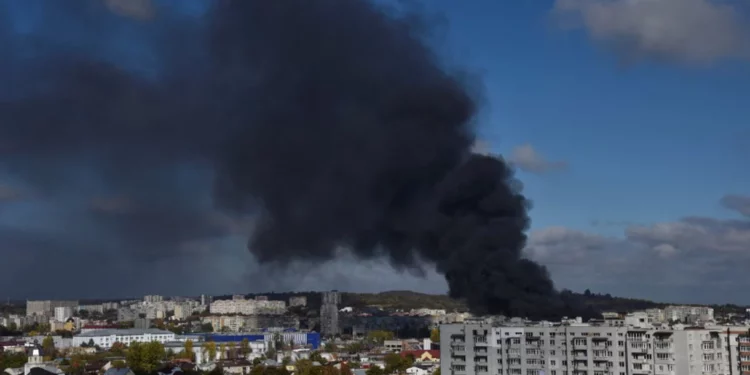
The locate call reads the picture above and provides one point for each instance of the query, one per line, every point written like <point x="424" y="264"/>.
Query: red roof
<point x="418" y="353"/>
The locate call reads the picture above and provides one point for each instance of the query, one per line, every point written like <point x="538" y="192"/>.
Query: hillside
<point x="402" y="300"/>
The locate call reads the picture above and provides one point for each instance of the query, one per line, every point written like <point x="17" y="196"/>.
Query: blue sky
<point x="635" y="138"/>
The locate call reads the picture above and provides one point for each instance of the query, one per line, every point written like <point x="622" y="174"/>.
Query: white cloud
<point x="694" y="259"/>
<point x="691" y="31"/>
<point x="529" y="160"/>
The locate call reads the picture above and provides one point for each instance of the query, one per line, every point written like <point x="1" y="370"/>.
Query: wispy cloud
<point x="526" y="158"/>
<point x="689" y="31"/>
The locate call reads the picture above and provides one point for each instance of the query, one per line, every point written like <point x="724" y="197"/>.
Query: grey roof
<point x="124" y="332"/>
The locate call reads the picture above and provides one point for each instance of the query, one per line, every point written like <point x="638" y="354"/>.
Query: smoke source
<point x="331" y="120"/>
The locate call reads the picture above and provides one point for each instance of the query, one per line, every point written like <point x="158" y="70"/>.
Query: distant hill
<point x="402" y="300"/>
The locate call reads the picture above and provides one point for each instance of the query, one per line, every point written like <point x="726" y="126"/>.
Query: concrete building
<point x="47" y="307"/>
<point x="297" y="301"/>
<point x="329" y="313"/>
<point x="153" y="299"/>
<point x="62" y="313"/>
<point x="106" y="337"/>
<point x="247" y="307"/>
<point x="206" y="300"/>
<point x="686" y="313"/>
<point x="481" y="348"/>
<point x="91" y="308"/>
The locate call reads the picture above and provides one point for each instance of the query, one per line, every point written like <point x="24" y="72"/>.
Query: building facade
<point x="106" y="337"/>
<point x="47" y="307"/>
<point x="329" y="313"/>
<point x="481" y="348"/>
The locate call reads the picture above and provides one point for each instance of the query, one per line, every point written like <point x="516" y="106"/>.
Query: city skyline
<point x="633" y="158"/>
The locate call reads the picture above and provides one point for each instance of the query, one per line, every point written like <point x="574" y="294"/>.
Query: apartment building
<point x="247" y="307"/>
<point x="47" y="307"/>
<point x="580" y="349"/>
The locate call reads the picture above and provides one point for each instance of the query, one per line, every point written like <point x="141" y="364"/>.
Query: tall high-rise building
<point x="329" y="313"/>
<point x="206" y="299"/>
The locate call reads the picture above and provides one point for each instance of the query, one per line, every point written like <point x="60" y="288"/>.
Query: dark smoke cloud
<point x="333" y="123"/>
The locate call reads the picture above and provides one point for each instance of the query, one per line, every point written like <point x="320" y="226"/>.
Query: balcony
<point x="480" y="340"/>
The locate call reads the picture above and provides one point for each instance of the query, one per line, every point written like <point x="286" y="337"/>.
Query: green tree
<point x="434" y="336"/>
<point x="117" y="348"/>
<point x="222" y="351"/>
<point x="395" y="363"/>
<point x="437" y="372"/>
<point x="304" y="367"/>
<point x="345" y="370"/>
<point x="145" y="357"/>
<point x="188" y="353"/>
<point x="210" y="348"/>
<point x="316" y="357"/>
<point x="207" y="327"/>
<point x="48" y="346"/>
<point x="379" y="337"/>
<point x="330" y="347"/>
<point x="375" y="370"/>
<point x="119" y="364"/>
<point x="245" y="347"/>
<point x="232" y="350"/>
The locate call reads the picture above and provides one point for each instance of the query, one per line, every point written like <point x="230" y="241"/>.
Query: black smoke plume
<point x="332" y="122"/>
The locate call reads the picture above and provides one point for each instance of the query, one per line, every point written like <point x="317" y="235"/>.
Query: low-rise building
<point x="105" y="338"/>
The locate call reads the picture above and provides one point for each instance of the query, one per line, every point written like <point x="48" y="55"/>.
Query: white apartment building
<point x="482" y="348"/>
<point x="104" y="338"/>
<point x="680" y="313"/>
<point x="63" y="313"/>
<point x="247" y="307"/>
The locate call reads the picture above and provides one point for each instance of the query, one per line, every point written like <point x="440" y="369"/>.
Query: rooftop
<point x="125" y="332"/>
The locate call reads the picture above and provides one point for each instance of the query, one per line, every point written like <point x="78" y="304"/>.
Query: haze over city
<point x="633" y="154"/>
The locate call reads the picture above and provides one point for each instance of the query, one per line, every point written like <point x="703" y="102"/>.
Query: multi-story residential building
<point x="153" y="299"/>
<point x="46" y="308"/>
<point x="62" y="313"/>
<point x="329" y="313"/>
<point x="297" y="301"/>
<point x="91" y="308"/>
<point x="106" y="337"/>
<point x="206" y="300"/>
<point x="247" y="307"/>
<point x="580" y="349"/>
<point x="682" y="313"/>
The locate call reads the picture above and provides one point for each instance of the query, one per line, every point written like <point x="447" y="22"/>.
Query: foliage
<point x="188" y="352"/>
<point x="210" y="348"/>
<point x="434" y="336"/>
<point x="396" y="363"/>
<point x="222" y="351"/>
<point x="12" y="360"/>
<point x="317" y="357"/>
<point x="48" y="346"/>
<point x="232" y="350"/>
<point x="145" y="357"/>
<point x="245" y="347"/>
<point x="355" y="347"/>
<point x="375" y="370"/>
<point x="119" y="364"/>
<point x="262" y="370"/>
<point x="117" y="348"/>
<point x="330" y="347"/>
<point x="437" y="372"/>
<point x="304" y="367"/>
<point x="345" y="369"/>
<point x="207" y="327"/>
<point x="379" y="337"/>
